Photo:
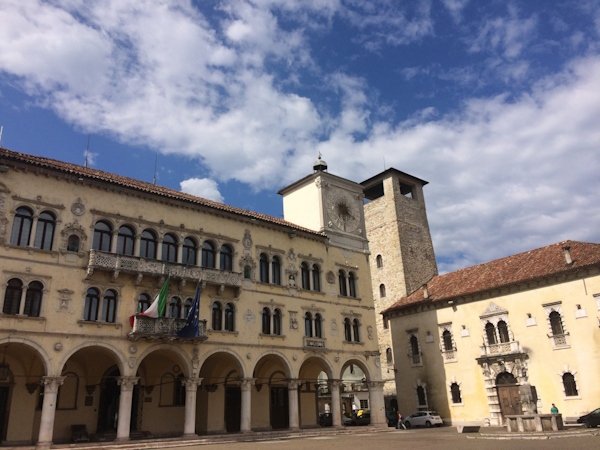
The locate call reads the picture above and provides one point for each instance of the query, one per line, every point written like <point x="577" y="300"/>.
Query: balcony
<point x="449" y="356"/>
<point x="560" y="341"/>
<point x="314" y="343"/>
<point x="503" y="348"/>
<point x="163" y="329"/>
<point x="142" y="267"/>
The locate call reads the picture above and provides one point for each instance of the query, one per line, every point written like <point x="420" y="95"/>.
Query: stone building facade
<point x="282" y="305"/>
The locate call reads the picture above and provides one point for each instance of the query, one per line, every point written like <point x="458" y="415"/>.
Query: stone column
<point x="191" y="389"/>
<point x="180" y="252"/>
<point x="51" y="385"/>
<point x="22" y="301"/>
<point x="159" y="244"/>
<point x="246" y="419"/>
<point x="114" y="241"/>
<point x="336" y="407"/>
<point x="33" y="231"/>
<point x="136" y="245"/>
<point x="293" y="404"/>
<point x="377" y="403"/>
<point x="125" y="400"/>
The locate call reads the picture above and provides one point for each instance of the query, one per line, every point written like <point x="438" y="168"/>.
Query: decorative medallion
<point x="330" y="277"/>
<point x="58" y="347"/>
<point x="247" y="240"/>
<point x="78" y="208"/>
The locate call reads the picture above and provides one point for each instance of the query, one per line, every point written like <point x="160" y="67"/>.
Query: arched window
<point x="356" y="330"/>
<point x="382" y="290"/>
<point x="490" y="332"/>
<point x="305" y="276"/>
<point x="352" y="284"/>
<point x="174" y="308"/>
<point x="92" y="301"/>
<point x="379" y="261"/>
<point x="44" y="234"/>
<point x="169" y="248"/>
<point x="217" y="316"/>
<point x="22" y="227"/>
<point x="347" y="330"/>
<point x="229" y="317"/>
<point x="109" y="306"/>
<point x="73" y="243"/>
<point x="318" y="328"/>
<point x="308" y="325"/>
<point x="189" y="252"/>
<point x="102" y="236"/>
<point x="125" y="240"/>
<point x="388" y="355"/>
<point x="276" y="270"/>
<point x="455" y="391"/>
<point x="247" y="272"/>
<point x="447" y="339"/>
<point x="226" y="258"/>
<point x="342" y="283"/>
<point x="421" y="396"/>
<point x="148" y="244"/>
<point x="208" y="255"/>
<point x="556" y="323"/>
<point x="266" y="321"/>
<point x="263" y="268"/>
<point x="569" y="385"/>
<point x="414" y="346"/>
<point x="503" y="331"/>
<point x="33" y="299"/>
<point x="187" y="307"/>
<point x="316" y="277"/>
<point x="143" y="302"/>
<point x="12" y="297"/>
<point x="277" y="322"/>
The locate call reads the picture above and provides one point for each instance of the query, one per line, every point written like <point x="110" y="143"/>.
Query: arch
<point x="263" y="268"/>
<point x="125" y="240"/>
<point x="208" y="254"/>
<point x="182" y="357"/>
<point x="352" y="285"/>
<point x="325" y="364"/>
<point x="278" y="356"/>
<point x="342" y="283"/>
<point x="103" y="230"/>
<point x="21" y="231"/>
<point x="238" y="360"/>
<point x="226" y="257"/>
<point x="44" y="233"/>
<point x="502" y="328"/>
<point x="316" y="277"/>
<point x="169" y="248"/>
<point x="382" y="292"/>
<point x="305" y="276"/>
<point x="190" y="251"/>
<point x="216" y="316"/>
<point x="276" y="270"/>
<point x="229" y="317"/>
<point x="490" y="333"/>
<point x="556" y="323"/>
<point x="505" y="378"/>
<point x="111" y="350"/>
<point x="379" y="261"/>
<point x="360" y="364"/>
<point x="148" y="244"/>
<point x="36" y="348"/>
<point x="12" y="296"/>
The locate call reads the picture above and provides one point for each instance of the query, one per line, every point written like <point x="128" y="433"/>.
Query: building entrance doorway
<point x="108" y="410"/>
<point x="508" y="394"/>
<point x="4" y="408"/>
<point x="279" y="408"/>
<point x="233" y="408"/>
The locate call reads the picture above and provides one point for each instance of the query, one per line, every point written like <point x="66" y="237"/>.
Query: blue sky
<point x="495" y="103"/>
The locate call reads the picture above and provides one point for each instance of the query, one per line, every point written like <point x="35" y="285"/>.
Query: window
<point x="217" y="316"/>
<point x="226" y="258"/>
<point x="386" y="322"/>
<point x="447" y="340"/>
<point x="342" y="282"/>
<point x="148" y="244"/>
<point x="109" y="306"/>
<point x="316" y="278"/>
<point x="318" y="328"/>
<point x="276" y="270"/>
<point x="421" y="397"/>
<point x="556" y="323"/>
<point x="92" y="301"/>
<point x="388" y="355"/>
<point x="382" y="290"/>
<point x="143" y="302"/>
<point x="277" y="322"/>
<point x="22" y="227"/>
<point x="73" y="243"/>
<point x="569" y="385"/>
<point x="490" y="332"/>
<point x="174" y="311"/>
<point x="189" y="252"/>
<point x="347" y="330"/>
<point x="356" y="330"/>
<point x="266" y="321"/>
<point x="229" y="317"/>
<point x="187" y="307"/>
<point x="352" y="284"/>
<point x="12" y="297"/>
<point x="305" y="276"/>
<point x="33" y="299"/>
<point x="308" y="325"/>
<point x="364" y="404"/>
<point x="169" y="248"/>
<point x="264" y="268"/>
<point x="44" y="234"/>
<point x="414" y="350"/>
<point x="379" y="262"/>
<point x="455" y="393"/>
<point x="208" y="255"/>
<point x="102" y="236"/>
<point x="125" y="241"/>
<point x="247" y="272"/>
<point x="503" y="331"/>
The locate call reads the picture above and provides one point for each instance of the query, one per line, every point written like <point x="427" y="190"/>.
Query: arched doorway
<point x="108" y="409"/>
<point x="508" y="394"/>
<point x="233" y="403"/>
<point x="280" y="411"/>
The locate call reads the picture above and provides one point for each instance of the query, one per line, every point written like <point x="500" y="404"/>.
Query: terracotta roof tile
<point x="520" y="268"/>
<point x="86" y="172"/>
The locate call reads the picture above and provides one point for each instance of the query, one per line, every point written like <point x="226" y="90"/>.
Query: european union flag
<point x="191" y="329"/>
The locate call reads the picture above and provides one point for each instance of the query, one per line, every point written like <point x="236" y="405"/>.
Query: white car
<point x="423" y="419"/>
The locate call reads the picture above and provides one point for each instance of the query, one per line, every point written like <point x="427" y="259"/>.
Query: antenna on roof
<point x="1" y="129"/>
<point x="155" y="161"/>
<point x="87" y="149"/>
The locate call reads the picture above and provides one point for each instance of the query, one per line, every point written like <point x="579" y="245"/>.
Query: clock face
<point x="344" y="212"/>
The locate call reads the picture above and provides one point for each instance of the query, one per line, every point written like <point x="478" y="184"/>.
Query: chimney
<point x="425" y="292"/>
<point x="567" y="252"/>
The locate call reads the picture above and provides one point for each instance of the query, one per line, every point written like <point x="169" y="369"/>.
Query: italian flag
<point x="157" y="308"/>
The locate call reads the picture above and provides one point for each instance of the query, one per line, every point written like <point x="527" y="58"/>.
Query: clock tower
<point x="330" y="204"/>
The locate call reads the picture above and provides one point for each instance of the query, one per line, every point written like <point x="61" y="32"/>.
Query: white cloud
<point x="202" y="187"/>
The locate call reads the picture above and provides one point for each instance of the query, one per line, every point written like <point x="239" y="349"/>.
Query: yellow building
<point x="281" y="303"/>
<point x="510" y="336"/>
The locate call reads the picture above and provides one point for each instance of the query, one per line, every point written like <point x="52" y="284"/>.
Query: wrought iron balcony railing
<point x="163" y="329"/>
<point x="142" y="267"/>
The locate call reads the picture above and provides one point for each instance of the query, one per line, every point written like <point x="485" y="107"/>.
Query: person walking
<point x="400" y="425"/>
<point x="554" y="409"/>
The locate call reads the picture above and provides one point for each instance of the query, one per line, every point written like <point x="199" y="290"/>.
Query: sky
<point x="495" y="103"/>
